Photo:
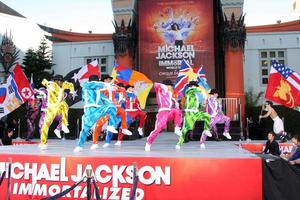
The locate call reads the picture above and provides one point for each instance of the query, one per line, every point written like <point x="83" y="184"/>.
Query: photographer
<point x="7" y="138"/>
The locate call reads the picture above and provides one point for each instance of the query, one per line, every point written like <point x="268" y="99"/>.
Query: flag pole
<point x="19" y="131"/>
<point x="261" y="111"/>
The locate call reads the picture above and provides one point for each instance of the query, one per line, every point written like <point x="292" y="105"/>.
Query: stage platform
<point x="164" y="146"/>
<point x="164" y="173"/>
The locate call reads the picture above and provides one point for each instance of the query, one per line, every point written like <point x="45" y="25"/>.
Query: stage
<point x="224" y="170"/>
<point x="164" y="146"/>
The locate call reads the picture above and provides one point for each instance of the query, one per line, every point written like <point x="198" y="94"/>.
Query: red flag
<point x="86" y="71"/>
<point x="20" y="84"/>
<point x="283" y="86"/>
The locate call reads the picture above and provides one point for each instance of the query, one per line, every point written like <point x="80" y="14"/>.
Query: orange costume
<point x="117" y="96"/>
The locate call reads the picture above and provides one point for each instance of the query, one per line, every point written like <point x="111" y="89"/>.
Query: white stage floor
<point x="164" y="146"/>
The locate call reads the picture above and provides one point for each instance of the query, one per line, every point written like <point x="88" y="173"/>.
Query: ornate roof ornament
<point x="125" y="38"/>
<point x="234" y="32"/>
<point x="8" y="52"/>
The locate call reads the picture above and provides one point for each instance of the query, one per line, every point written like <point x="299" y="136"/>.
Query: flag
<point x="86" y="71"/>
<point x="283" y="86"/>
<point x="187" y="74"/>
<point x="2" y="94"/>
<point x="16" y="91"/>
<point x="22" y="88"/>
<point x="77" y="87"/>
<point x="142" y="83"/>
<point x="78" y="76"/>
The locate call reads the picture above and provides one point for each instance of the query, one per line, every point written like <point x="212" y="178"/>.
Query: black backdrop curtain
<point x="281" y="181"/>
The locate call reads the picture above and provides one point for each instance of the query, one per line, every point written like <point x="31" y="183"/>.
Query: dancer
<point x="193" y="111"/>
<point x="205" y="94"/>
<point x="168" y="110"/>
<point x="214" y="108"/>
<point x="278" y="127"/>
<point x="96" y="105"/>
<point x="33" y="107"/>
<point x="100" y="126"/>
<point x="116" y="94"/>
<point x="118" y="97"/>
<point x="133" y="112"/>
<point x="55" y="106"/>
<point x="42" y="94"/>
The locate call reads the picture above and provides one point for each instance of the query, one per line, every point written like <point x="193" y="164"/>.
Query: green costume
<point x="193" y="112"/>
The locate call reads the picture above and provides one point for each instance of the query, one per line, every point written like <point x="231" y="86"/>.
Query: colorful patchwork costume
<point x="193" y="108"/>
<point x="99" y="127"/>
<point x="214" y="108"/>
<point x="118" y="97"/>
<point x="133" y="112"/>
<point x="116" y="94"/>
<point x="96" y="105"/>
<point x="168" y="110"/>
<point x="42" y="93"/>
<point x="55" y="106"/>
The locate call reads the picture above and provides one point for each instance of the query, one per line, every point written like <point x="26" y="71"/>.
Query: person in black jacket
<point x="7" y="139"/>
<point x="272" y="146"/>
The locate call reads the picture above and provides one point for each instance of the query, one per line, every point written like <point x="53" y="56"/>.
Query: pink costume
<point x="214" y="108"/>
<point x="168" y="110"/>
<point x="216" y="115"/>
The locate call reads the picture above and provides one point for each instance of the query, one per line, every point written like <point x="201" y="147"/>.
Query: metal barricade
<point x="232" y="108"/>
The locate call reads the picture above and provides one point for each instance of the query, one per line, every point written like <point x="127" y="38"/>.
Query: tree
<point x="38" y="64"/>
<point x="252" y="101"/>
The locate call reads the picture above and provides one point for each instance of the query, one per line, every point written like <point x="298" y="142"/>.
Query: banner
<point x="259" y="147"/>
<point x="173" y="30"/>
<point x="36" y="177"/>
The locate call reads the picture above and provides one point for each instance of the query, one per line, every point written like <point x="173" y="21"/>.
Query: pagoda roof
<point x="9" y="11"/>
<point x="58" y="35"/>
<point x="279" y="27"/>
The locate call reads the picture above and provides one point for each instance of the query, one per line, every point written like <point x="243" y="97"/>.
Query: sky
<point x="78" y="15"/>
<point x="261" y="12"/>
<point x="96" y="15"/>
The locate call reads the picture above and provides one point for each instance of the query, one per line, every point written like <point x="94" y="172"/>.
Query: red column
<point x="126" y="60"/>
<point x="234" y="76"/>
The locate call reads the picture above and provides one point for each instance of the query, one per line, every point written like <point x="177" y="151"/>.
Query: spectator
<point x="13" y="124"/>
<point x="2" y="126"/>
<point x="293" y="158"/>
<point x="7" y="139"/>
<point x="272" y="146"/>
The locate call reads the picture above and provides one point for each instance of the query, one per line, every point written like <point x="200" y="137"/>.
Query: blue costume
<point x="119" y="99"/>
<point x="96" y="105"/>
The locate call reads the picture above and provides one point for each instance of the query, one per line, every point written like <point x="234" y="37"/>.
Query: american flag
<point x="283" y="86"/>
<point x="290" y="75"/>
<point x="187" y="74"/>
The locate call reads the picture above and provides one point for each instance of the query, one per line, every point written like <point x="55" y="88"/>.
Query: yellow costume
<point x="55" y="106"/>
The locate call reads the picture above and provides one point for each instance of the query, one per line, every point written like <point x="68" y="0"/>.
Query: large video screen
<point x="173" y="30"/>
